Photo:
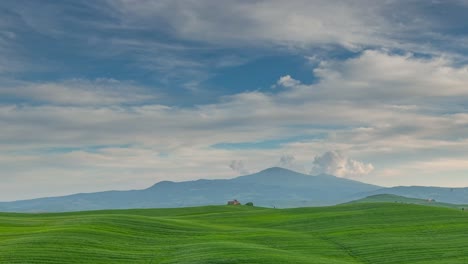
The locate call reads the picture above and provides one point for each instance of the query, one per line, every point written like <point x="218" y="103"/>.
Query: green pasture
<point x="351" y="233"/>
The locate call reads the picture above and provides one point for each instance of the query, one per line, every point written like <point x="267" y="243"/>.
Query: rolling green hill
<point x="390" y="198"/>
<point x="352" y="233"/>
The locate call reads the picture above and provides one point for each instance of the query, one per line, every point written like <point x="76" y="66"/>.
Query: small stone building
<point x="233" y="202"/>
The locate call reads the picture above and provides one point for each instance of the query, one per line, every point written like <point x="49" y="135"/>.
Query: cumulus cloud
<point x="288" y="81"/>
<point x="335" y="163"/>
<point x="238" y="166"/>
<point x="380" y="74"/>
<point x="289" y="162"/>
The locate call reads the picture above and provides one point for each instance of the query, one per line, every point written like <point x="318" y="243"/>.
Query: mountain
<point x="274" y="187"/>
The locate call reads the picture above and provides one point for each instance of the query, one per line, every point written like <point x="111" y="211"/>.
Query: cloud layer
<point x="77" y="92"/>
<point x="141" y="91"/>
<point x="407" y="105"/>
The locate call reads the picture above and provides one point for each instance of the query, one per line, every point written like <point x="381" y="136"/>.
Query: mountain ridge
<point x="272" y="187"/>
<point x="275" y="186"/>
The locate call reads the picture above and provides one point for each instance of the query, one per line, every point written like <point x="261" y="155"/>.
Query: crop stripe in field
<point x="344" y="248"/>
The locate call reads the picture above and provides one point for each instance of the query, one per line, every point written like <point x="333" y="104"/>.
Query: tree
<point x="249" y="204"/>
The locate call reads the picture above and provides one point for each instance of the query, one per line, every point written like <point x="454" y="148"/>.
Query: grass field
<point x="352" y="233"/>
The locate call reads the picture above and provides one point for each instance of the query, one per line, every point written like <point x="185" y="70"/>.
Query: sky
<point x="119" y="94"/>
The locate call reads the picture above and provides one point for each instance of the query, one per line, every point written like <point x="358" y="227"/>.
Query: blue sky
<point x="98" y="95"/>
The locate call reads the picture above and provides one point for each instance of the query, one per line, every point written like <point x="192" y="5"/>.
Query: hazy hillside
<point x="274" y="187"/>
<point x="383" y="233"/>
<point x="391" y="198"/>
<point x="439" y="194"/>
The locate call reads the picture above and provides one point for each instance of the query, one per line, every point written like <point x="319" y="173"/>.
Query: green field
<point x="352" y="233"/>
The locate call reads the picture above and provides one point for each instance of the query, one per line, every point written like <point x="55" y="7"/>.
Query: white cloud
<point x="238" y="166"/>
<point x="292" y="24"/>
<point x="288" y="81"/>
<point x="289" y="162"/>
<point x="78" y="92"/>
<point x="335" y="163"/>
<point x="381" y="76"/>
<point x="298" y="24"/>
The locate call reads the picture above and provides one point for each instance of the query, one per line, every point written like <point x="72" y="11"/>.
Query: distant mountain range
<point x="273" y="187"/>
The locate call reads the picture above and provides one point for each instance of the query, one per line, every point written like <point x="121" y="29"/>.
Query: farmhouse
<point x="233" y="202"/>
